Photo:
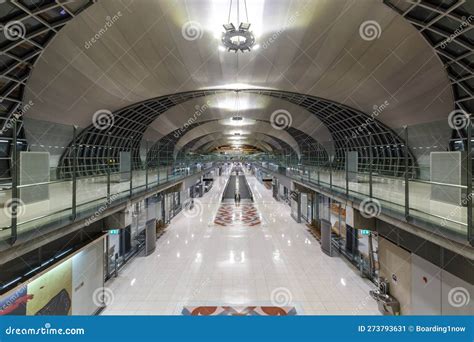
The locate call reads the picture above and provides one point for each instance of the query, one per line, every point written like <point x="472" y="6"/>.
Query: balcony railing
<point x="409" y="200"/>
<point x="77" y="198"/>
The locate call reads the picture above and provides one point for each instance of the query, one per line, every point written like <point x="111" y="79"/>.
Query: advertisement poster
<point x="15" y="303"/>
<point x="51" y="293"/>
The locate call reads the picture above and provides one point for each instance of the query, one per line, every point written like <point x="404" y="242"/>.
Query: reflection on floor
<point x="279" y="264"/>
<point x="230" y="214"/>
<point x="239" y="311"/>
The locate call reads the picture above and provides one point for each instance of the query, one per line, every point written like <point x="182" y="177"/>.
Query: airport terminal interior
<point x="236" y="157"/>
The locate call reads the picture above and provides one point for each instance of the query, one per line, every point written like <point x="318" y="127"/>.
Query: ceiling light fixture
<point x="241" y="39"/>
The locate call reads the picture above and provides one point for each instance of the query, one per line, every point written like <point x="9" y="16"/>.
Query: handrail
<point x="142" y="188"/>
<point x="326" y="186"/>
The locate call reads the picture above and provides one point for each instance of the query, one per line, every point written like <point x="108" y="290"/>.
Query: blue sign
<point x="238" y="328"/>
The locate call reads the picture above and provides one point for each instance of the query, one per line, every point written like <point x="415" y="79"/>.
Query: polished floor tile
<point x="277" y="263"/>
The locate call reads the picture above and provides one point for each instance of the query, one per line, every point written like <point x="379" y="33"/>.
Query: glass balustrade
<point x="409" y="189"/>
<point x="47" y="198"/>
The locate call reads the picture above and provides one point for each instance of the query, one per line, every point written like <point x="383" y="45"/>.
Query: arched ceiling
<point x="309" y="47"/>
<point x="216" y="127"/>
<point x="31" y="26"/>
<point x="448" y="27"/>
<point x="250" y="107"/>
<point x="267" y="143"/>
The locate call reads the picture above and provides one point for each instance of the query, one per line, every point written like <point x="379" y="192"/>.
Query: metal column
<point x="470" y="229"/>
<point x="330" y="174"/>
<point x="74" y="173"/>
<point x="407" y="174"/>
<point x="146" y="166"/>
<point x="371" y="160"/>
<point x="131" y="173"/>
<point x="14" y="174"/>
<point x="347" y="169"/>
<point x="108" y="167"/>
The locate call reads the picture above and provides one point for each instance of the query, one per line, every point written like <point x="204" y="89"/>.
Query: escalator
<point x="237" y="184"/>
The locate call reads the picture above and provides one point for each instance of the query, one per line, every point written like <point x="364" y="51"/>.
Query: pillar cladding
<point x="125" y="166"/>
<point x="352" y="165"/>
<point x="448" y="168"/>
<point x="34" y="168"/>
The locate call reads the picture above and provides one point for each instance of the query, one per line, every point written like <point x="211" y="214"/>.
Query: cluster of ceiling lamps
<point x="241" y="39"/>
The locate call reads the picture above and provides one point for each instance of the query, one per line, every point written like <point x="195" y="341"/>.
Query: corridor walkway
<point x="277" y="263"/>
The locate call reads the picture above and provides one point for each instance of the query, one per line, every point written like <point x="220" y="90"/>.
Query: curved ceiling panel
<point x="33" y="25"/>
<point x="447" y="26"/>
<point x="259" y="137"/>
<point x="349" y="128"/>
<point x="27" y="27"/>
<point x="317" y="51"/>
<point x="164" y="151"/>
<point x="259" y="127"/>
<point x="224" y="106"/>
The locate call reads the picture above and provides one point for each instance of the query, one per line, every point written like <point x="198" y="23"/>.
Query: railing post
<point x="74" y="171"/>
<point x="330" y="175"/>
<point x="146" y="166"/>
<point x="407" y="190"/>
<point x="347" y="167"/>
<point x="470" y="229"/>
<point x="371" y="160"/>
<point x="108" y="167"/>
<point x="131" y="173"/>
<point x="14" y="175"/>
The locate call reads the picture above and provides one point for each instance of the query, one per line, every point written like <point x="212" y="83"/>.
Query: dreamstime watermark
<point x="14" y="30"/>
<point x="281" y="296"/>
<point x="14" y="207"/>
<point x="103" y="296"/>
<point x="192" y="30"/>
<point x="199" y="110"/>
<point x="458" y="119"/>
<point x="281" y="119"/>
<point x="370" y="207"/>
<point x="99" y="211"/>
<point x="291" y="20"/>
<point x="362" y="306"/>
<point x="16" y="117"/>
<point x="466" y="22"/>
<point x="47" y="329"/>
<point x="457" y="210"/>
<point x="109" y="22"/>
<point x="192" y="208"/>
<point x="103" y="119"/>
<point x="377" y="110"/>
<point x="459" y="297"/>
<point x="370" y="30"/>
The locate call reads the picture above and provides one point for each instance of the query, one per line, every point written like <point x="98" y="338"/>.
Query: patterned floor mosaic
<point x="230" y="214"/>
<point x="239" y="311"/>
